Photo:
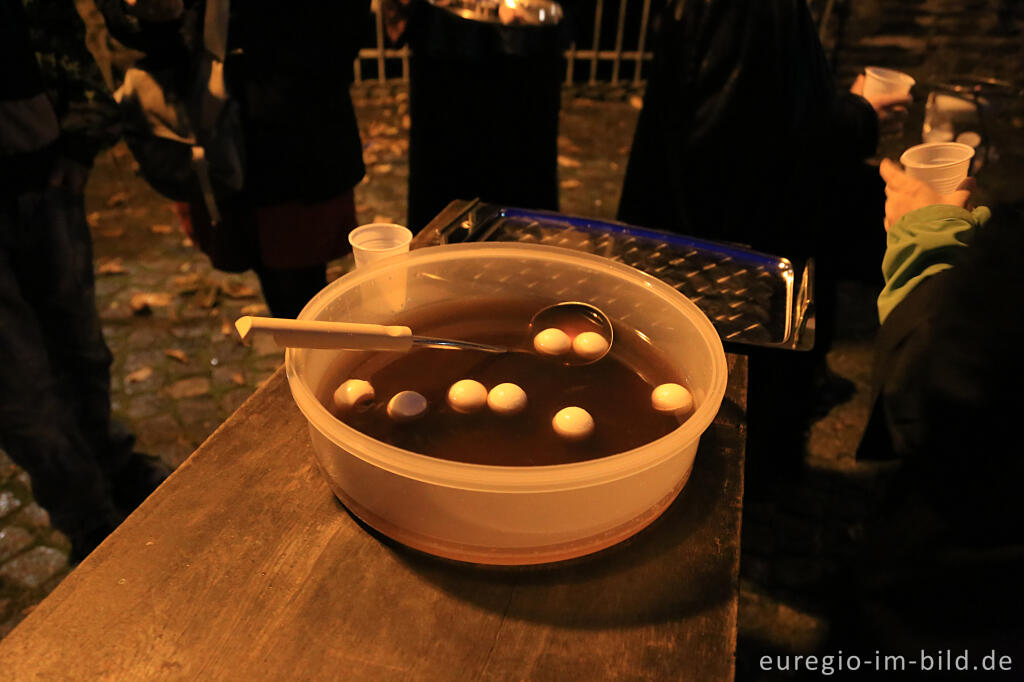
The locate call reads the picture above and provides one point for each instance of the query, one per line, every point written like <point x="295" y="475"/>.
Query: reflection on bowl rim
<point x="497" y="478"/>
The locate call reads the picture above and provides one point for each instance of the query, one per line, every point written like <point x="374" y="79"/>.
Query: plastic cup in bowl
<point x="377" y="241"/>
<point x="940" y="165"/>
<point x="879" y="82"/>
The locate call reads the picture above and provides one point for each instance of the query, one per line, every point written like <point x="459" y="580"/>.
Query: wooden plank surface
<point x="244" y="566"/>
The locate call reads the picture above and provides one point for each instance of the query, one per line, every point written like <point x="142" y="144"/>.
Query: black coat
<point x="742" y="130"/>
<point x="290" y="67"/>
<point x="484" y="103"/>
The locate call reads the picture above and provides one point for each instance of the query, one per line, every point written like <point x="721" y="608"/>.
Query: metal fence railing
<point x="611" y="47"/>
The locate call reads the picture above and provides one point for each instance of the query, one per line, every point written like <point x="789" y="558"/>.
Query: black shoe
<point x="136" y="480"/>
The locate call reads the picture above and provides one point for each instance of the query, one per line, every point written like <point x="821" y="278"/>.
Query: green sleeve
<point x="922" y="243"/>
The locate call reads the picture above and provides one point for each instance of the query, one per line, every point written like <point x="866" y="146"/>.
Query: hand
<point x="890" y="109"/>
<point x="904" y="193"/>
<point x="395" y="16"/>
<point x="69" y="175"/>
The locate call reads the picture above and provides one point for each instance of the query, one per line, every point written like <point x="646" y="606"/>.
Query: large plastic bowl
<point x="507" y="514"/>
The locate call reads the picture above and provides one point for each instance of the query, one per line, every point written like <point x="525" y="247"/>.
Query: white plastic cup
<point x="940" y="165"/>
<point x="377" y="241"/>
<point x="879" y="82"/>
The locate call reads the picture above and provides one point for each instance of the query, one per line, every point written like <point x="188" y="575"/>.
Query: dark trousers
<point x="55" y="372"/>
<point x="483" y="128"/>
<point x="287" y="291"/>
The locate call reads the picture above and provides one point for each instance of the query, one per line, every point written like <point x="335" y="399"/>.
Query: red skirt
<point x="282" y="236"/>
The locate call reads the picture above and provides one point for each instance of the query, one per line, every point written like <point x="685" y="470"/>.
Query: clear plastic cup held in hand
<point x="879" y="82"/>
<point x="940" y="165"/>
<point x="377" y="242"/>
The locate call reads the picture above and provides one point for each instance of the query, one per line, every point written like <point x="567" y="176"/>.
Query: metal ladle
<point x="572" y="317"/>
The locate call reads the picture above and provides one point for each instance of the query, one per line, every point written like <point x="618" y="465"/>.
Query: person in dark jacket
<point x="55" y="422"/>
<point x="741" y="112"/>
<point x="741" y="117"/>
<point x="943" y="558"/>
<point x="484" y="100"/>
<point x="289" y="65"/>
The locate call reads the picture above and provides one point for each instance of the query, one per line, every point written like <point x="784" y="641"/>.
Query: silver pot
<point x="505" y="12"/>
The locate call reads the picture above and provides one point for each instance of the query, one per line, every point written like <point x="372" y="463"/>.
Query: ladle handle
<point x="316" y="334"/>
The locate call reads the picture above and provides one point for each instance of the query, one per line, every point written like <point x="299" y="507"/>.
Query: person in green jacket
<point x="940" y="565"/>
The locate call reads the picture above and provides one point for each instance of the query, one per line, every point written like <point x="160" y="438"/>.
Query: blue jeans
<point x="54" y="364"/>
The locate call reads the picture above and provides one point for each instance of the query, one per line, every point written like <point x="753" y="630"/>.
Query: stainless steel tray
<point x="751" y="297"/>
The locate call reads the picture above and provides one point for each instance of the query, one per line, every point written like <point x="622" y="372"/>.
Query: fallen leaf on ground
<point x="382" y="219"/>
<point x="568" y="162"/>
<point x="254" y="309"/>
<point x="187" y="284"/>
<point x="113" y="266"/>
<point x="238" y="378"/>
<point x="406" y="121"/>
<point x="237" y="290"/>
<point x="113" y="234"/>
<point x="93" y="218"/>
<point x="177" y="354"/>
<point x="117" y="199"/>
<point x="161" y="229"/>
<point x="139" y="375"/>
<point x="187" y="243"/>
<point x="382" y="168"/>
<point x="143" y="301"/>
<point x="636" y="101"/>
<point x="570" y="184"/>
<point x="188" y="388"/>
<point x="226" y="328"/>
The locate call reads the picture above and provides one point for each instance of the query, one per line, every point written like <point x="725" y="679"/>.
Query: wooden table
<point x="244" y="566"/>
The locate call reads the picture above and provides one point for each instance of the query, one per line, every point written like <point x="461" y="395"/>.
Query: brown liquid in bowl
<point x="616" y="391"/>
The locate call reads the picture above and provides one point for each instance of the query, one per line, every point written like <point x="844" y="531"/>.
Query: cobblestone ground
<point x="180" y="370"/>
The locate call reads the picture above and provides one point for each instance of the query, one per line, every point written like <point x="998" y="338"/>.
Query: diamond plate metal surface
<point x="750" y="297"/>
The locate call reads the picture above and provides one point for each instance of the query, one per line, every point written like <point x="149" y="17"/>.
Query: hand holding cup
<point x="890" y="104"/>
<point x="905" y="193"/>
